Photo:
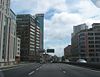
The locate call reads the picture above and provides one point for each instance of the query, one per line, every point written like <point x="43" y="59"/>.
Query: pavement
<point x="48" y="70"/>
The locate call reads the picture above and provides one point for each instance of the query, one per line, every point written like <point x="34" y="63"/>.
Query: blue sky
<point x="60" y="17"/>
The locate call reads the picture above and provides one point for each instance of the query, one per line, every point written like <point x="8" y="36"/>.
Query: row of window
<point x="90" y="38"/>
<point x="83" y="34"/>
<point x="90" y="46"/>
<point x="90" y="50"/>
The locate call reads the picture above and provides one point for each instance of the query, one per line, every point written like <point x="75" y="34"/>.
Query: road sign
<point x="50" y="50"/>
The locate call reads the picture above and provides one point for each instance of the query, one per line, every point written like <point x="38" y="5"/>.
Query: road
<point x="49" y="70"/>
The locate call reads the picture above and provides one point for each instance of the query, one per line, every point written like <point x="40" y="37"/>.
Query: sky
<point x="60" y="17"/>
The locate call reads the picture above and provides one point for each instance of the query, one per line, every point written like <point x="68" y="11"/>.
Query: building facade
<point x="18" y="50"/>
<point x="29" y="33"/>
<point x="88" y="44"/>
<point x="78" y="28"/>
<point x="67" y="52"/>
<point x="7" y="32"/>
<point x="40" y="19"/>
<point x="74" y="40"/>
<point x="12" y="38"/>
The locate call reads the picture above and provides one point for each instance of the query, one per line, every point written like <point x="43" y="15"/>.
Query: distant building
<point x="74" y="40"/>
<point x="67" y="52"/>
<point x="40" y="19"/>
<point x="88" y="44"/>
<point x="7" y="34"/>
<point x="18" y="50"/>
<point x="29" y="33"/>
<point x="80" y="27"/>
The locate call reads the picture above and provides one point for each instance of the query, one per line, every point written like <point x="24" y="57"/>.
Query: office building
<point x="74" y="40"/>
<point x="29" y="33"/>
<point x="88" y="44"/>
<point x="12" y="38"/>
<point x="78" y="28"/>
<point x="40" y="19"/>
<point x="67" y="52"/>
<point x="7" y="33"/>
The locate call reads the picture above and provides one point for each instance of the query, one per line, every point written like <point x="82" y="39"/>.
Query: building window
<point x="91" y="50"/>
<point x="91" y="54"/>
<point x="91" y="38"/>
<point x="91" y="46"/>
<point x="91" y="42"/>
<point x="82" y="38"/>
<point x="82" y="50"/>
<point x="97" y="33"/>
<point x="97" y="38"/>
<point x="97" y="42"/>
<point x="82" y="46"/>
<point x="98" y="50"/>
<point x="82" y="34"/>
<point x="98" y="46"/>
<point x="90" y="33"/>
<point x="18" y="49"/>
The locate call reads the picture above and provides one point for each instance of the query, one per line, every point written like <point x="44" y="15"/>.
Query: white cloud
<point x="87" y="8"/>
<point x="61" y="25"/>
<point x="23" y="5"/>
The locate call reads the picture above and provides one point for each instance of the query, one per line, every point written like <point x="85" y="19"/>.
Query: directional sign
<point x="50" y="50"/>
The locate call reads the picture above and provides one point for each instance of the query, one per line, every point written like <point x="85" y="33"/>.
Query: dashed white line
<point x="31" y="73"/>
<point x="64" y="71"/>
<point x="34" y="71"/>
<point x="37" y="69"/>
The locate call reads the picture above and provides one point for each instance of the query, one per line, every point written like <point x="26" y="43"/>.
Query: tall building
<point x="7" y="33"/>
<point x="80" y="27"/>
<point x="67" y="52"/>
<point x="88" y="43"/>
<point x="74" y="40"/>
<point x="37" y="42"/>
<point x="40" y="19"/>
<point x="12" y="38"/>
<point x="29" y="33"/>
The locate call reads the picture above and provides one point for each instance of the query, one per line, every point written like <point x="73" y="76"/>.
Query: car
<point x="81" y="61"/>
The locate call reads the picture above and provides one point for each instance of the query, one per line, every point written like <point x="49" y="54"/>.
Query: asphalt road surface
<point x="49" y="70"/>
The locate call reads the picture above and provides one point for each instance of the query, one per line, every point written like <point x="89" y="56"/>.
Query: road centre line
<point x="31" y="73"/>
<point x="64" y="71"/>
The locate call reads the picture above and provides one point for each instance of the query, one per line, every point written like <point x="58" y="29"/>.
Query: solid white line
<point x="7" y="69"/>
<point x="31" y="73"/>
<point x="64" y="71"/>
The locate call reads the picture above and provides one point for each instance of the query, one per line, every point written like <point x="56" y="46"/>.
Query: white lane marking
<point x="64" y="71"/>
<point x="8" y="69"/>
<point x="37" y="69"/>
<point x="31" y="73"/>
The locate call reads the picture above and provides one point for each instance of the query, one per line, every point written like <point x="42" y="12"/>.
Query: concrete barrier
<point x="95" y="66"/>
